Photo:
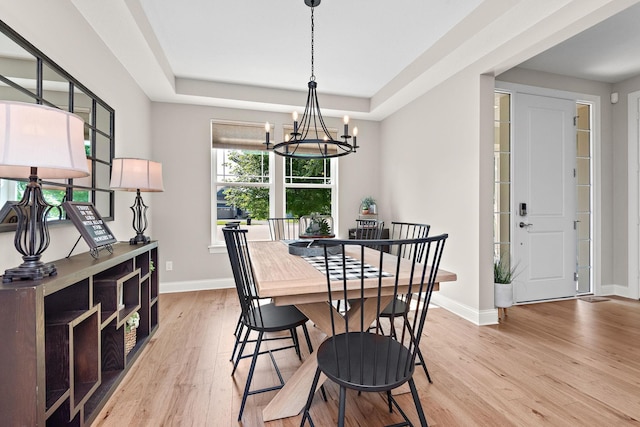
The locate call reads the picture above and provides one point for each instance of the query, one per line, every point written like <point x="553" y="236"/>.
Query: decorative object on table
<point x="316" y="226"/>
<point x="306" y="248"/>
<point x="139" y="175"/>
<point x="91" y="226"/>
<point x="310" y="138"/>
<point x="130" y="334"/>
<point x="503" y="276"/>
<point x="37" y="142"/>
<point x="366" y="205"/>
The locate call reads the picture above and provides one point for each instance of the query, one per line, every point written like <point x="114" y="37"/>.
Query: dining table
<point x="292" y="280"/>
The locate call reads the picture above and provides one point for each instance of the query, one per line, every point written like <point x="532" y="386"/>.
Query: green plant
<point x="318" y="225"/>
<point x="502" y="271"/>
<point x="132" y="322"/>
<point x="367" y="202"/>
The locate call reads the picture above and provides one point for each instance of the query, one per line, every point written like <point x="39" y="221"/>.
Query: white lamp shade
<point x="50" y="139"/>
<point x="136" y="174"/>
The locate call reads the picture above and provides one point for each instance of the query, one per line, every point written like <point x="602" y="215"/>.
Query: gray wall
<point x="182" y="214"/>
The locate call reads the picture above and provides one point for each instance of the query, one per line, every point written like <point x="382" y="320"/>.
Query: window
<point x="502" y="176"/>
<point x="308" y="186"/>
<point x="248" y="189"/>
<point x="584" y="196"/>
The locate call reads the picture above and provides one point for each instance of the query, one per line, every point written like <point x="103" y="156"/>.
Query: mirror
<point x="27" y="75"/>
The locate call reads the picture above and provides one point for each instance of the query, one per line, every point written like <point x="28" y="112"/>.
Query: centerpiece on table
<point x="316" y="226"/>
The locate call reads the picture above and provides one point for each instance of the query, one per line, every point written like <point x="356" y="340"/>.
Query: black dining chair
<point x="356" y="357"/>
<point x="284" y="228"/>
<point x="368" y="229"/>
<point x="256" y="315"/>
<point x="279" y="229"/>
<point x="407" y="230"/>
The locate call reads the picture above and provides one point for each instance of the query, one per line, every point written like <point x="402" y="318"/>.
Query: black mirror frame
<point x="96" y="133"/>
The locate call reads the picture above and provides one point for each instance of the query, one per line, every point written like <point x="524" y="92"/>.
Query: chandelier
<point x="310" y="138"/>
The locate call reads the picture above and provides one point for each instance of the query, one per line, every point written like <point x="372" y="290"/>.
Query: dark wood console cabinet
<point x="62" y="339"/>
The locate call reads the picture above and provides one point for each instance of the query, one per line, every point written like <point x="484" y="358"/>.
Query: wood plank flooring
<point x="566" y="363"/>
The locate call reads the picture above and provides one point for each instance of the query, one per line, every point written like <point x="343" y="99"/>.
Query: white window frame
<point x="277" y="190"/>
<point x="333" y="169"/>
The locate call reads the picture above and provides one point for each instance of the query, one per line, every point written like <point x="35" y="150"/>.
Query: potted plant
<point x="368" y="205"/>
<point x="503" y="275"/>
<point x="131" y="325"/>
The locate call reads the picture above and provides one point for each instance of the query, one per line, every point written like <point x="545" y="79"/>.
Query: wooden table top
<point x="289" y="279"/>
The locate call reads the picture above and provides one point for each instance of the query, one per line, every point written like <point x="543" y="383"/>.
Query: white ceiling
<point x="607" y="52"/>
<point x="256" y="54"/>
<point x="359" y="46"/>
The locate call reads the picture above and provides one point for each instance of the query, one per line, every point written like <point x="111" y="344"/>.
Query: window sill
<point x="218" y="249"/>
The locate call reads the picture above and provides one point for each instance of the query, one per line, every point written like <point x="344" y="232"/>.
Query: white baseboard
<point x="195" y="285"/>
<point x="478" y="317"/>
<point x="617" y="290"/>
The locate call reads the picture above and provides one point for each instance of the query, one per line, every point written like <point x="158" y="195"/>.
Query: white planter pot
<point x="503" y="294"/>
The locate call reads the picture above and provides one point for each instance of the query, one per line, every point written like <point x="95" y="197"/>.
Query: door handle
<point x="524" y="224"/>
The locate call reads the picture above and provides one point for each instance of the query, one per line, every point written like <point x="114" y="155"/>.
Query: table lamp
<point x="137" y="175"/>
<point x="37" y="142"/>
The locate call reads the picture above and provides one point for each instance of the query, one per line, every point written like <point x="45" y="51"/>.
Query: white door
<point x="544" y="197"/>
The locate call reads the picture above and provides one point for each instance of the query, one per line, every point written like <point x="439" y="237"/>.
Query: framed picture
<point x="89" y="223"/>
<point x="7" y="214"/>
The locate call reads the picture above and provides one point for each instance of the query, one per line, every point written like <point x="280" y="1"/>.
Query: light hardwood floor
<point x="566" y="363"/>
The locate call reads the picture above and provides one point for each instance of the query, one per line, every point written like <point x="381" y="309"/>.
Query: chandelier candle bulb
<point x="346" y="126"/>
<point x="267" y="128"/>
<point x="355" y="134"/>
<point x="295" y="122"/>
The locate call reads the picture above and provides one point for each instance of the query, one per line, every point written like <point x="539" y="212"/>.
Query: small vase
<point x="503" y="294"/>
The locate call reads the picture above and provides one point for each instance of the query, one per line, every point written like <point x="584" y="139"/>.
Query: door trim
<point x="633" y="244"/>
<point x="595" y="101"/>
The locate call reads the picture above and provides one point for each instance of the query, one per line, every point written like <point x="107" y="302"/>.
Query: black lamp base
<point x="140" y="238"/>
<point x="32" y="234"/>
<point x="30" y="270"/>
<point x="139" y="220"/>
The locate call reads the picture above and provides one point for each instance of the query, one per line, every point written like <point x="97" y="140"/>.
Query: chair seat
<point x="400" y="308"/>
<point x="274" y="318"/>
<point x="366" y="361"/>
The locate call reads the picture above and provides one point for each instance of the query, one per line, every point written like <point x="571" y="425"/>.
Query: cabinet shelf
<point x="55" y="398"/>
<point x="85" y="349"/>
<point x="118" y="294"/>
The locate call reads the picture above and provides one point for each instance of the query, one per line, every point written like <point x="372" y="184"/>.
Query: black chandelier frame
<point x="310" y="138"/>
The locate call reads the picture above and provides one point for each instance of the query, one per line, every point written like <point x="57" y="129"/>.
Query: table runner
<point x="352" y="270"/>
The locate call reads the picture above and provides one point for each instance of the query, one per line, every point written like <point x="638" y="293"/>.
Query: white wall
<point x="182" y="214"/>
<point x="436" y="171"/>
<point x="61" y="33"/>
<point x="625" y="279"/>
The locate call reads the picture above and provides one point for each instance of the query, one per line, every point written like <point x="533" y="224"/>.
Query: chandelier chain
<point x="313" y="77"/>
